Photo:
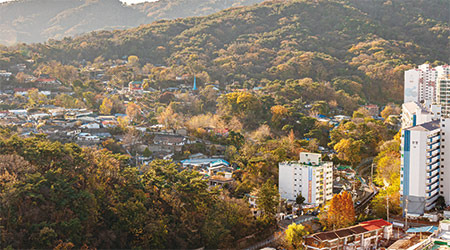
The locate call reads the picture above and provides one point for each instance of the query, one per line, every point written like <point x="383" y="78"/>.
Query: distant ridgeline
<point x="39" y="20"/>
<point x="361" y="47"/>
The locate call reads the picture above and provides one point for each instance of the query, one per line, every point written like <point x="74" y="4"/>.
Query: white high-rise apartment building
<point x="420" y="83"/>
<point x="425" y="133"/>
<point x="310" y="176"/>
<point x="443" y="94"/>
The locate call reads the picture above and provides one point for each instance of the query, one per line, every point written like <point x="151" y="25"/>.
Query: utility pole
<point x="387" y="207"/>
<point x="371" y="172"/>
<point x="406" y="213"/>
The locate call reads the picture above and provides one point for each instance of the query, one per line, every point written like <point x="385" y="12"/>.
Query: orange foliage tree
<point x="340" y="213"/>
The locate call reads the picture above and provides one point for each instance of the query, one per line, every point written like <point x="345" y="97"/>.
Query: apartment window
<point x="295" y="184"/>
<point x="442" y="179"/>
<point x="442" y="186"/>
<point x="295" y="179"/>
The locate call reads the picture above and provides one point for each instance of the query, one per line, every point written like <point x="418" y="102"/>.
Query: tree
<point x="35" y="98"/>
<point x="106" y="106"/>
<point x="340" y="213"/>
<point x="349" y="150"/>
<point x="147" y="152"/>
<point x="279" y="113"/>
<point x="169" y="118"/>
<point x="133" y="111"/>
<point x="133" y="60"/>
<point x="390" y="110"/>
<point x="268" y="199"/>
<point x="294" y="235"/>
<point x="299" y="199"/>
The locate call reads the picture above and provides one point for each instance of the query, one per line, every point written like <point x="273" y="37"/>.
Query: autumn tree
<point x="387" y="176"/>
<point x="35" y="98"/>
<point x="133" y="111"/>
<point x="340" y="212"/>
<point x="279" y="113"/>
<point x="106" y="106"/>
<point x="390" y="110"/>
<point x="169" y="118"/>
<point x="295" y="234"/>
<point x="349" y="150"/>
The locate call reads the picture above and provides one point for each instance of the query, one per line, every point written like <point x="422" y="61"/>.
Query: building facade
<point x="310" y="177"/>
<point x="425" y="133"/>
<point x="443" y="94"/>
<point x="367" y="235"/>
<point x="421" y="83"/>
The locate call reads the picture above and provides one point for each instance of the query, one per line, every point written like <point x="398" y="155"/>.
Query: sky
<point x="125" y="1"/>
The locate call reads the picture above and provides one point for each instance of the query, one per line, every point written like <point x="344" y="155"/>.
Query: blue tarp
<point x="427" y="229"/>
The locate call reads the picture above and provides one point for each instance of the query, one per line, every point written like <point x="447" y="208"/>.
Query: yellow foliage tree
<point x="294" y="235"/>
<point x="106" y="106"/>
<point x="349" y="150"/>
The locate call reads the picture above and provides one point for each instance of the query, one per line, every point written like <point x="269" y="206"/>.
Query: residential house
<point x="135" y="87"/>
<point x="5" y="75"/>
<point x="366" y="235"/>
<point x="372" y="109"/>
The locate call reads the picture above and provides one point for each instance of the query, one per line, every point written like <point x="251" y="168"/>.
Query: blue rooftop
<point x="427" y="229"/>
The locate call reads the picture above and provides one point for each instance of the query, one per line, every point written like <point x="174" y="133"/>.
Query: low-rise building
<point x="366" y="235"/>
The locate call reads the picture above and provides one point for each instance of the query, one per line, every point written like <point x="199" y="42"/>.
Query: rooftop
<point x="428" y="126"/>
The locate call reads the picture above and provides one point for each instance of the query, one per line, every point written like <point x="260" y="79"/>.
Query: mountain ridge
<point x="39" y="20"/>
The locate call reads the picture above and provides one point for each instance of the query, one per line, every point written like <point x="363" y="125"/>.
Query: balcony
<point x="433" y="180"/>
<point x="433" y="159"/>
<point x="432" y="187"/>
<point x="434" y="139"/>
<point x="432" y="193"/>
<point x="433" y="147"/>
<point x="433" y="167"/>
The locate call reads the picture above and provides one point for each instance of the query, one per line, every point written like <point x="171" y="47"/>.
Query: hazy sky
<point x="126" y="1"/>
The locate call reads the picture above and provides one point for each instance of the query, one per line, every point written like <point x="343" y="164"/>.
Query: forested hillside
<point x="357" y="46"/>
<point x="38" y="20"/>
<point x="61" y="195"/>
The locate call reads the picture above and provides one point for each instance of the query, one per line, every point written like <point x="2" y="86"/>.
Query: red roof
<point x="46" y="80"/>
<point x="378" y="223"/>
<point x="370" y="227"/>
<point x="22" y="89"/>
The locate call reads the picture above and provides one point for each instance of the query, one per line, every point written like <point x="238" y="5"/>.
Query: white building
<point x="310" y="177"/>
<point x="420" y="166"/>
<point x="420" y="83"/>
<point x="443" y="94"/>
<point x="425" y="136"/>
<point x="414" y="113"/>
